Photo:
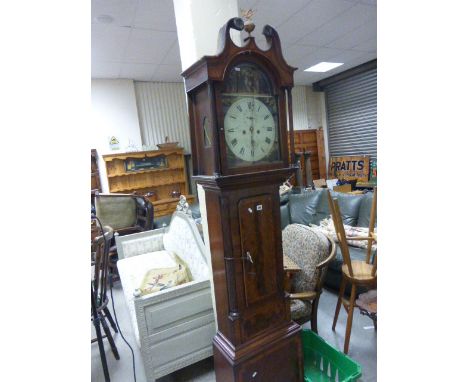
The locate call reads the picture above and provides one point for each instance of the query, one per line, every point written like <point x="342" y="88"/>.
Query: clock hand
<point x="252" y="141"/>
<point x="252" y="138"/>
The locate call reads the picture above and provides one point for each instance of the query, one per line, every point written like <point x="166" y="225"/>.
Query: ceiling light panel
<point x="322" y="67"/>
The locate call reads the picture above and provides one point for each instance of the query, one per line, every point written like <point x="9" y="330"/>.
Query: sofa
<point x="311" y="207"/>
<point x="175" y="326"/>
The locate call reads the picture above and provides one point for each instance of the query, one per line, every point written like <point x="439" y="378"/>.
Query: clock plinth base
<point x="273" y="356"/>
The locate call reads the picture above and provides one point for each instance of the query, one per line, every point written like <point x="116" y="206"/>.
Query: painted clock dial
<point x="249" y="129"/>
<point x="250" y="107"/>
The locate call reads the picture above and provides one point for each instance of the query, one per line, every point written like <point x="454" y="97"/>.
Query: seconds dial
<point x="249" y="129"/>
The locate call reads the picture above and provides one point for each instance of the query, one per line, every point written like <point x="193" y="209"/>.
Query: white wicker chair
<point x="175" y="326"/>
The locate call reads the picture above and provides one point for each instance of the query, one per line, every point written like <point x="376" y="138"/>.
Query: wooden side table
<point x="367" y="304"/>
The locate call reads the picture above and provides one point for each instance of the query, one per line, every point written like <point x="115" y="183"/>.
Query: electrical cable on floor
<point x="111" y="284"/>
<point x="120" y="331"/>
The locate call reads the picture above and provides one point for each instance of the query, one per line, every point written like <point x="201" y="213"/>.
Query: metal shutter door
<point x="352" y="115"/>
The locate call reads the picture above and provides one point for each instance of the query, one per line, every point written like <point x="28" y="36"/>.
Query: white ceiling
<point x="141" y="43"/>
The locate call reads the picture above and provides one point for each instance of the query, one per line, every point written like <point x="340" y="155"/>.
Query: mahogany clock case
<point x="256" y="336"/>
<point x="256" y="339"/>
<point x="206" y="82"/>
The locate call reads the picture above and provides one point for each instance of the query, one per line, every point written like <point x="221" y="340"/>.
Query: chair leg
<point x="338" y="303"/>
<point x="349" y="322"/>
<point x="313" y="318"/>
<point x="111" y="320"/>
<point x="109" y="337"/>
<point x="102" y="353"/>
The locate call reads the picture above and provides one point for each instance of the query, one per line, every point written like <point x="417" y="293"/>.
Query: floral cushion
<point x="327" y="227"/>
<point x="157" y="279"/>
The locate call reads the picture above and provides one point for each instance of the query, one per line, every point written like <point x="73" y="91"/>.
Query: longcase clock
<point x="240" y="109"/>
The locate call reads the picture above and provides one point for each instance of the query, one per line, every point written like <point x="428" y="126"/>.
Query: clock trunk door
<point x="258" y="248"/>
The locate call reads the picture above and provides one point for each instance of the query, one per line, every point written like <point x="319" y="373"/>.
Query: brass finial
<point x="247" y="15"/>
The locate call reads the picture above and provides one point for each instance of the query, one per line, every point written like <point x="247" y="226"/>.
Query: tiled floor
<point x="363" y="346"/>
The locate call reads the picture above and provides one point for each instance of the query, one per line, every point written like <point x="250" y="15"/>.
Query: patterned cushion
<point x="157" y="279"/>
<point x="307" y="247"/>
<point x="327" y="226"/>
<point x="300" y="309"/>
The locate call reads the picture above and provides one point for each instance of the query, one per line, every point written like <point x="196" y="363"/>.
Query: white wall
<point x="310" y="112"/>
<point x="307" y="109"/>
<point x="114" y="113"/>
<point x="162" y="108"/>
<point x="314" y="108"/>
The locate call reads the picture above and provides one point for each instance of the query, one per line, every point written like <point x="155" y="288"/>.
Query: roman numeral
<point x="259" y="108"/>
<point x="231" y="130"/>
<point x="266" y="116"/>
<point x="239" y="108"/>
<point x="233" y="117"/>
<point x="234" y="142"/>
<point x="252" y="152"/>
<point x="261" y="148"/>
<point x="267" y="140"/>
<point x="269" y="128"/>
<point x="242" y="151"/>
<point x="250" y="105"/>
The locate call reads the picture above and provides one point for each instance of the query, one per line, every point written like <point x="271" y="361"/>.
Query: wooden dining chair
<point x="354" y="272"/>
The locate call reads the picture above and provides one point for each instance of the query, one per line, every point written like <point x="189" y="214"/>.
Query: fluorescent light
<point x="323" y="67"/>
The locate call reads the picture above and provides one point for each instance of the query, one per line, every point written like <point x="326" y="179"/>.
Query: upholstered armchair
<point x="312" y="251"/>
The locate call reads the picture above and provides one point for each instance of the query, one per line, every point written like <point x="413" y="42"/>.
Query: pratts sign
<point x="350" y="167"/>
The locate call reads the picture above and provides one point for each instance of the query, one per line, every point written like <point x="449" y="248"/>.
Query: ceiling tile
<point x="156" y="15"/>
<point x="310" y="31"/>
<point x="274" y="12"/>
<point x="369" y="2"/>
<point x="140" y="72"/>
<point x="108" y="42"/>
<point x="105" y="69"/>
<point x="173" y="56"/>
<point x="346" y="55"/>
<point x="310" y="18"/>
<point x="296" y="52"/>
<point x="122" y="11"/>
<point x="367" y="46"/>
<point x="246" y="4"/>
<point x="319" y="55"/>
<point x="168" y="73"/>
<point x="341" y="25"/>
<point x="355" y="37"/>
<point x="147" y="46"/>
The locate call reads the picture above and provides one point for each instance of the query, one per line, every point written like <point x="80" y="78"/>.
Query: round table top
<point x="368" y="301"/>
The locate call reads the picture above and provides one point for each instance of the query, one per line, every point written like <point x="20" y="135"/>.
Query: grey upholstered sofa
<point x="312" y="207"/>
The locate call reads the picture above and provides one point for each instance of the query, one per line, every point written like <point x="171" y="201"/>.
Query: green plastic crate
<point x="323" y="363"/>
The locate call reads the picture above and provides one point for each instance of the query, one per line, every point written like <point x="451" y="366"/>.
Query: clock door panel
<point x="258" y="248"/>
